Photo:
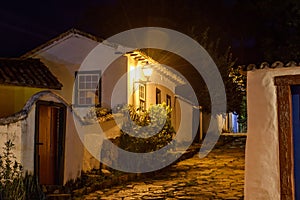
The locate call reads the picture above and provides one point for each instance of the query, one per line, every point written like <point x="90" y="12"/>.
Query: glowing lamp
<point x="147" y="71"/>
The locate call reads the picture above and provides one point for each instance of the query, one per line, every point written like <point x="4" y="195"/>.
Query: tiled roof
<point x="27" y="72"/>
<point x="264" y="65"/>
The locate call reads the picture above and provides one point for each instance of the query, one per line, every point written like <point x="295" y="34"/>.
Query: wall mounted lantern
<point x="147" y="71"/>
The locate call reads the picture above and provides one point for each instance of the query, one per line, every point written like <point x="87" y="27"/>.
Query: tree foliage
<point x="256" y="30"/>
<point x="234" y="81"/>
<point x="272" y="26"/>
<point x="141" y="123"/>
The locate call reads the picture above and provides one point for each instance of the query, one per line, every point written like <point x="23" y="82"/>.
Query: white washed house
<point x="272" y="150"/>
<point x="44" y="114"/>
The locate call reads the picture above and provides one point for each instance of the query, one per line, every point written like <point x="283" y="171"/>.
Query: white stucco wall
<point x="28" y="135"/>
<point x="74" y="150"/>
<point x="185" y="125"/>
<point x="262" y="177"/>
<point x="12" y="132"/>
<point x="22" y="133"/>
<point x="64" y="58"/>
<point x="75" y="52"/>
<point x="73" y="146"/>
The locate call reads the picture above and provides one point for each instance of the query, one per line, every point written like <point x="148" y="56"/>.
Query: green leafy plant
<point x="32" y="188"/>
<point x="100" y="113"/>
<point x="13" y="185"/>
<point x="157" y="117"/>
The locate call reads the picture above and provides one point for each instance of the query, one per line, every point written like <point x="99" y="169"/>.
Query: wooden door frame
<point x="61" y="136"/>
<point x="285" y="134"/>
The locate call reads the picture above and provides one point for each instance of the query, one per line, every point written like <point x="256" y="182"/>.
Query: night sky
<point x="26" y="24"/>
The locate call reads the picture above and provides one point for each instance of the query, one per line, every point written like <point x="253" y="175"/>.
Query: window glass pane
<point x="88" y="78"/>
<point x="95" y="78"/>
<point x="90" y="93"/>
<point x="88" y="85"/>
<point x="142" y="105"/>
<point x="81" y="85"/>
<point x="81" y="79"/>
<point x="82" y="94"/>
<point x="82" y="101"/>
<point x="142" y="91"/>
<point x="168" y="100"/>
<point x="87" y="88"/>
<point x="158" y="96"/>
<point x="94" y="85"/>
<point x="88" y="101"/>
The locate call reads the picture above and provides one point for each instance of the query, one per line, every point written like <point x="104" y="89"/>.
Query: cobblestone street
<point x="220" y="175"/>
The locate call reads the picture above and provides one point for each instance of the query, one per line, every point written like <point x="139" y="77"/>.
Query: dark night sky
<point x="26" y="24"/>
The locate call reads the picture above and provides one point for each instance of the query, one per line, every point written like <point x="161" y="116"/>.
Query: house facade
<point x="35" y="119"/>
<point x="46" y="117"/>
<point x="272" y="150"/>
<point x="155" y="88"/>
<point x="20" y="79"/>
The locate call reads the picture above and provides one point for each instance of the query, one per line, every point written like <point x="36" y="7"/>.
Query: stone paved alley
<point x="220" y="175"/>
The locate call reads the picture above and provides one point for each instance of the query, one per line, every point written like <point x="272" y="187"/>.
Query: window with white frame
<point x="142" y="92"/>
<point x="142" y="95"/>
<point x="87" y="88"/>
<point x="142" y="105"/>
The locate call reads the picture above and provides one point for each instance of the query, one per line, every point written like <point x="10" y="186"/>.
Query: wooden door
<point x="296" y="137"/>
<point x="50" y="143"/>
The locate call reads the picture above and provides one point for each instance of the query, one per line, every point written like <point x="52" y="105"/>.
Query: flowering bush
<point x="157" y="117"/>
<point x="100" y="114"/>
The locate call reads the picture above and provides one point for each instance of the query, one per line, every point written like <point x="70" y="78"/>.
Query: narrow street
<point x="220" y="175"/>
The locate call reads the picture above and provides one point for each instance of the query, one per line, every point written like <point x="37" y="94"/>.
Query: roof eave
<point x="32" y="86"/>
<point x="61" y="37"/>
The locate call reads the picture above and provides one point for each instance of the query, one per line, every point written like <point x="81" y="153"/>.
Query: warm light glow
<point x="147" y="70"/>
<point x="131" y="67"/>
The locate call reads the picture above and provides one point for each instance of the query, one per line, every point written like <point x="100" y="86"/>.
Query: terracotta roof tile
<point x="27" y="72"/>
<point x="264" y="65"/>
